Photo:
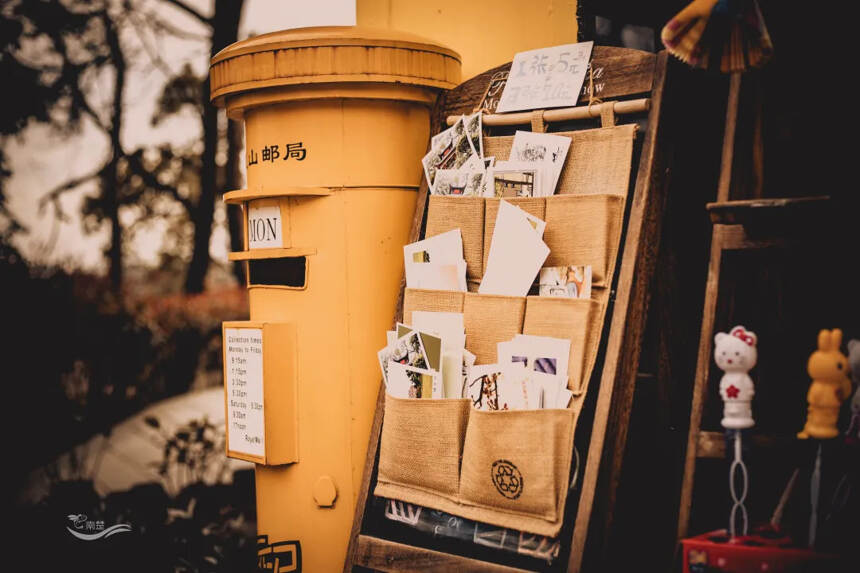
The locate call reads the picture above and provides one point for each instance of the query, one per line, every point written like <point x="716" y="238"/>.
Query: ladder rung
<point x="763" y="212"/>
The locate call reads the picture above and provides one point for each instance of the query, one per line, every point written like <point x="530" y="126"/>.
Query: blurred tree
<point x="186" y="89"/>
<point x="60" y="54"/>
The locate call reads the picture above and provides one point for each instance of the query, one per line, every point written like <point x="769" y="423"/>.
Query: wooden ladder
<point x="749" y="224"/>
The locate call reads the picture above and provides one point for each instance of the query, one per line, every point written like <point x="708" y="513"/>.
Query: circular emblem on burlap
<point x="507" y="479"/>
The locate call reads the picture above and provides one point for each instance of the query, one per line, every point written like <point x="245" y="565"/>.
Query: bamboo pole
<point x="562" y="114"/>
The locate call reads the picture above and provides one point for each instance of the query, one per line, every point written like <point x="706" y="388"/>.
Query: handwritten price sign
<point x="544" y="78"/>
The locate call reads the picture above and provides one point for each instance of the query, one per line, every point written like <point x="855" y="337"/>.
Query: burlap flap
<point x="422" y="442"/>
<point x="533" y="205"/>
<point x="516" y="464"/>
<point x="598" y="161"/>
<point x="571" y="318"/>
<point x="431" y="301"/>
<point x="584" y="230"/>
<point x="446" y="213"/>
<point x="490" y="319"/>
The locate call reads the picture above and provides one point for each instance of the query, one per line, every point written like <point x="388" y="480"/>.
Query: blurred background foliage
<point x="86" y="349"/>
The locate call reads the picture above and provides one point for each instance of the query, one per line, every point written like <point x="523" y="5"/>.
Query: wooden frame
<point x="626" y="73"/>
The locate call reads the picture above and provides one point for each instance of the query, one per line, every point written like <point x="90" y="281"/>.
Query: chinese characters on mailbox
<point x="273" y="153"/>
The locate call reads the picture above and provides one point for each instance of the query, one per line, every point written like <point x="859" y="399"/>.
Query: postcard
<point x="516" y="254"/>
<point x="563" y="400"/>
<point x="567" y="282"/>
<point x="437" y="276"/>
<point x="461" y="147"/>
<point x="444" y="324"/>
<point x="431" y="345"/>
<point x="436" y="262"/>
<point x="461" y="182"/>
<point x="514" y="179"/>
<point x="551" y="387"/>
<point x="407" y="349"/>
<point x="474" y="163"/>
<point x="448" y="150"/>
<point x="503" y="387"/>
<point x="482" y="386"/>
<point x="542" y="353"/>
<point x="538" y="225"/>
<point x="545" y="149"/>
<point x="442" y="138"/>
<point x="517" y="390"/>
<point x="406" y="381"/>
<point x="443" y="248"/>
<point x="468" y="363"/>
<point x="429" y="162"/>
<point x="474" y="130"/>
<point x="450" y="328"/>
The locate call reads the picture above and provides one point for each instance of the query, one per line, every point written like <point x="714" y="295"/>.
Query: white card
<point x="545" y="78"/>
<point x="446" y="248"/>
<point x="264" y="227"/>
<point x="517" y="390"/>
<point x="563" y="400"/>
<point x="436" y="262"/>
<point x="516" y="254"/>
<point x="552" y="350"/>
<point x="543" y="148"/>
<point x="449" y="327"/>
<point x="406" y="381"/>
<point x="437" y="276"/>
<point x="515" y="179"/>
<point x="474" y="126"/>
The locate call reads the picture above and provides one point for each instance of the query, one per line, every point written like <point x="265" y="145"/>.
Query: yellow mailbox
<point x="336" y="122"/>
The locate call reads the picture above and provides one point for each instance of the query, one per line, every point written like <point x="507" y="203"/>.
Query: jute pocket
<point x="517" y="462"/>
<point x="431" y="301"/>
<point x="490" y="319"/>
<point x="467" y="214"/>
<point x="533" y="205"/>
<point x="584" y="230"/>
<point x="421" y="444"/>
<point x="598" y="161"/>
<point x="572" y="318"/>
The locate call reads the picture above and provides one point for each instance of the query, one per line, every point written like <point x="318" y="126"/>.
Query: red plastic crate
<point x="715" y="552"/>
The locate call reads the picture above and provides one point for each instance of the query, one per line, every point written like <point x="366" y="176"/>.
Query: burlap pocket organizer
<point x="515" y="464"/>
<point x="511" y="469"/>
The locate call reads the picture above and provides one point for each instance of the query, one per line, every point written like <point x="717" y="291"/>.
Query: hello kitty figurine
<point x="735" y="353"/>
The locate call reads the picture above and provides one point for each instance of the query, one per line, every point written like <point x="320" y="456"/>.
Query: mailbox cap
<point x="331" y="54"/>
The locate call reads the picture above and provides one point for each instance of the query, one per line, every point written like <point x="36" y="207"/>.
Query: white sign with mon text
<point x="264" y="227"/>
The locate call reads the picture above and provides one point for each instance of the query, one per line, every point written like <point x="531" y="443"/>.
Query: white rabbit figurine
<point x="735" y="353"/>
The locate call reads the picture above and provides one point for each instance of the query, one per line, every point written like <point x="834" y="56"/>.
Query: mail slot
<point x="336" y="122"/>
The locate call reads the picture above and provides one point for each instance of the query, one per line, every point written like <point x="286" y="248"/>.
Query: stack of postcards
<point x="456" y="165"/>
